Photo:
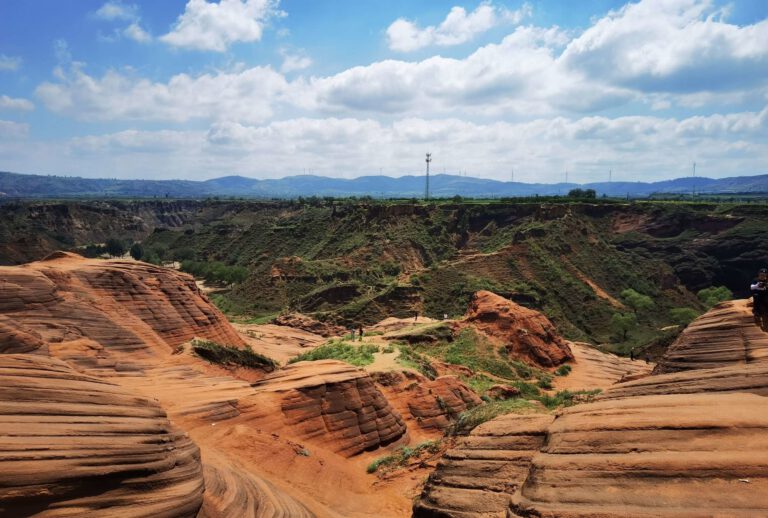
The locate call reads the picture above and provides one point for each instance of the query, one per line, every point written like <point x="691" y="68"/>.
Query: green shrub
<point x="567" y="398"/>
<point x="622" y="324"/>
<point x="470" y="419"/>
<point x="714" y="295"/>
<point x="410" y="358"/>
<point x="545" y="382"/>
<point x="637" y="301"/>
<point x="231" y="355"/>
<point x="683" y="316"/>
<point x="563" y="370"/>
<point x="340" y="350"/>
<point x="402" y="455"/>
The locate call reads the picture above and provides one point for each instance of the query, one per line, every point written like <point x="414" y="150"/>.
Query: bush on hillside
<point x="714" y="295"/>
<point x="683" y="316"/>
<point x="231" y="355"/>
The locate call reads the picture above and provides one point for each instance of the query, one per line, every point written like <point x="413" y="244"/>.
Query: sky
<point x="512" y="90"/>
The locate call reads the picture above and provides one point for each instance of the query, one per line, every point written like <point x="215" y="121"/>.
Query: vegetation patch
<point x="403" y="456"/>
<point x="470" y="419"/>
<point x="232" y="356"/>
<point x="351" y="353"/>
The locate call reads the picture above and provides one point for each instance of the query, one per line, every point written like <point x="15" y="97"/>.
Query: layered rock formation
<point x="725" y="335"/>
<point x="526" y="334"/>
<point x="74" y="445"/>
<point x="307" y="323"/>
<point x="428" y="404"/>
<point x="334" y="404"/>
<point x="689" y="443"/>
<point x="122" y="306"/>
<point x="478" y="476"/>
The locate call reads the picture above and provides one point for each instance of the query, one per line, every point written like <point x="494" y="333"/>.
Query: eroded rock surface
<point x="680" y="444"/>
<point x="527" y="334"/>
<point x="429" y="404"/>
<point x="74" y="445"/>
<point x="479" y="475"/>
<point x="725" y="335"/>
<point x="309" y="324"/>
<point x="122" y="306"/>
<point x="335" y="404"/>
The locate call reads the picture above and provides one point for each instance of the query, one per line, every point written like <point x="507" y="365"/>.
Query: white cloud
<point x="458" y="27"/>
<point x="294" y="62"/>
<point x="10" y="103"/>
<point x="677" y="46"/>
<point x="118" y="11"/>
<point x="115" y="10"/>
<point x="13" y="130"/>
<point x="214" y="26"/>
<point x="635" y="147"/>
<point x="136" y="33"/>
<point x="249" y="95"/>
<point x="9" y="62"/>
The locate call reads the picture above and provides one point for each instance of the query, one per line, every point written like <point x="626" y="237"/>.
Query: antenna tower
<point x="426" y="188"/>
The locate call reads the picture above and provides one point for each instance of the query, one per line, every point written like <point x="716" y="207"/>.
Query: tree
<point x="623" y="323"/>
<point x="115" y="247"/>
<point x="683" y="316"/>
<point x="137" y="251"/>
<point x="637" y="301"/>
<point x="589" y="194"/>
<point x="714" y="295"/>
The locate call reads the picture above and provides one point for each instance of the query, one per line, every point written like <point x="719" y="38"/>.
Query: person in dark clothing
<point x="360" y="333"/>
<point x="759" y="288"/>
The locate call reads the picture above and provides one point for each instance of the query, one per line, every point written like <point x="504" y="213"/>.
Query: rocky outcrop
<point x="725" y="335"/>
<point x="74" y="445"/>
<point x="478" y="476"/>
<point x="120" y="305"/>
<point x="309" y="324"/>
<point x="526" y="334"/>
<point x="334" y="404"/>
<point x="687" y="443"/>
<point x="233" y="491"/>
<point x="429" y="404"/>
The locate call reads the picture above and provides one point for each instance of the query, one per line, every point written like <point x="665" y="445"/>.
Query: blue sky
<point x="266" y="88"/>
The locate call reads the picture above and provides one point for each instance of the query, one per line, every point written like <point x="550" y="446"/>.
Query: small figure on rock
<point x="352" y="333"/>
<point x="759" y="288"/>
<point x="360" y="333"/>
<point x="632" y="354"/>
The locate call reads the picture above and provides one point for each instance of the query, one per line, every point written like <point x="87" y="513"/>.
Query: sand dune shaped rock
<point x="681" y="444"/>
<point x="74" y="445"/>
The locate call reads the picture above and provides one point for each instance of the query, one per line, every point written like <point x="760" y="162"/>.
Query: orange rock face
<point x="335" y="404"/>
<point x="74" y="445"/>
<point x="299" y="321"/>
<point x="428" y="404"/>
<point x="121" y="305"/>
<point x="680" y="444"/>
<point x="526" y="334"/>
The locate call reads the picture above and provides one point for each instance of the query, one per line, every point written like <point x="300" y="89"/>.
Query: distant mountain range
<point x="14" y="185"/>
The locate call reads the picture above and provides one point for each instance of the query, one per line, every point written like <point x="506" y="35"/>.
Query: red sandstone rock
<point x="503" y="392"/>
<point x="430" y="404"/>
<point x="307" y="323"/>
<point x="334" y="404"/>
<point x="526" y="334"/>
<point x="74" y="445"/>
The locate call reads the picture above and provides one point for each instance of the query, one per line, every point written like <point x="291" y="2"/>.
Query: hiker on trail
<point x="360" y="332"/>
<point x="759" y="289"/>
<point x="352" y="331"/>
<point x="415" y="316"/>
<point x="632" y="354"/>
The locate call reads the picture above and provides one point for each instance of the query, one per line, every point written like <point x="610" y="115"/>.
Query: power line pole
<point x="694" y="178"/>
<point x="426" y="189"/>
<point x="610" y="175"/>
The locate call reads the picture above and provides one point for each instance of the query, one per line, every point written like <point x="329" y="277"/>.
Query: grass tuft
<point x="231" y="355"/>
